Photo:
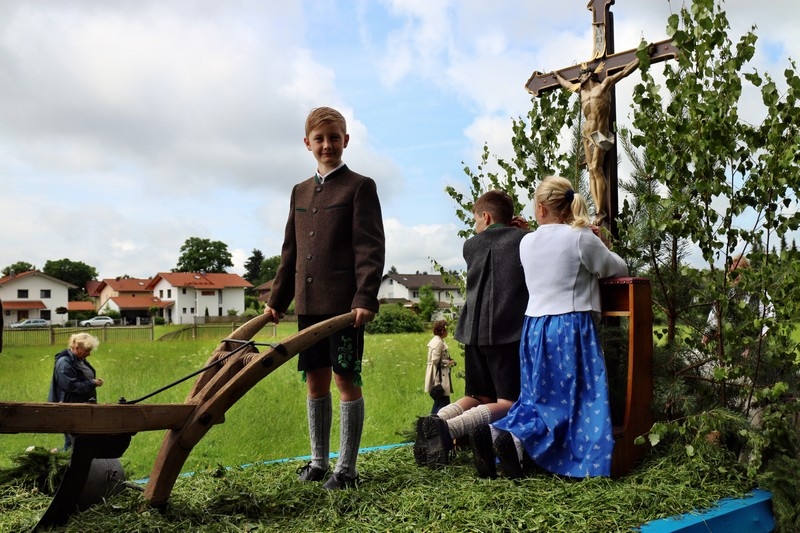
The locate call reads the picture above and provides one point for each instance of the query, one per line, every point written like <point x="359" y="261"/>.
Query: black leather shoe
<point x="311" y="473"/>
<point x="340" y="481"/>
<point x="506" y="451"/>
<point x="480" y="440"/>
<point x="437" y="441"/>
<point x="420" y="454"/>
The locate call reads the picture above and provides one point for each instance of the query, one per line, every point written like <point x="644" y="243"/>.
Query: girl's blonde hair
<point x="557" y="195"/>
<point x="84" y="341"/>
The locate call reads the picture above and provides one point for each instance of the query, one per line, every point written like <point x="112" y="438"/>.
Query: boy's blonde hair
<point x="554" y="191"/>
<point x="324" y="115"/>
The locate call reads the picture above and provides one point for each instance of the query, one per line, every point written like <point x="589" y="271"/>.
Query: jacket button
<point x="311" y="233"/>
<point x="309" y="279"/>
<point x="313" y="209"/>
<point x="308" y="257"/>
<point x="318" y="189"/>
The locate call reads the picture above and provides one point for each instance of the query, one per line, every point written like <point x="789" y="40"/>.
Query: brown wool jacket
<point x="333" y="248"/>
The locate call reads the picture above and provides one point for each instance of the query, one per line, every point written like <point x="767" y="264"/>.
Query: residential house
<point x="264" y="290"/>
<point x="130" y="297"/>
<point x="191" y="296"/>
<point x="404" y="289"/>
<point x="33" y="294"/>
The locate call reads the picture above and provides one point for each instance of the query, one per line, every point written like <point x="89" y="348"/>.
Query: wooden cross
<point x="604" y="63"/>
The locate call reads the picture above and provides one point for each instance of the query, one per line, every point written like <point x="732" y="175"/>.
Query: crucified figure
<point x="597" y="137"/>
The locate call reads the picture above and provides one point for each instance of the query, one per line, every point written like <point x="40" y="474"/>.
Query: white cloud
<point x="128" y="126"/>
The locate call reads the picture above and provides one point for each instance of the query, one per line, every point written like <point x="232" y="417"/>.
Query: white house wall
<point x="59" y="297"/>
<point x="190" y="303"/>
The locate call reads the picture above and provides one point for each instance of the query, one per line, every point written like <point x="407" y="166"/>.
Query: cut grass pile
<point x="396" y="495"/>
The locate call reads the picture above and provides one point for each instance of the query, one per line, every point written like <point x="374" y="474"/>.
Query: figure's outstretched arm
<point x="627" y="70"/>
<point x="572" y="87"/>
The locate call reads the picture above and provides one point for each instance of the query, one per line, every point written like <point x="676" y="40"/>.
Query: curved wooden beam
<point x="215" y="394"/>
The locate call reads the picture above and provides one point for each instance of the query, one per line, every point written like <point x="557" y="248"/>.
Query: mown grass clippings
<point x="396" y="495"/>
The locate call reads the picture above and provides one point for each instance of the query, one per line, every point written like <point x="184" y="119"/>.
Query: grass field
<point x="268" y="423"/>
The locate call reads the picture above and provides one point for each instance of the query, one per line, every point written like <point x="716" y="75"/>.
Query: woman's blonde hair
<point x="556" y="193"/>
<point x="84" y="341"/>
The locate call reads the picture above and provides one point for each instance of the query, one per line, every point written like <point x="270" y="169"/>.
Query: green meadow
<point x="237" y="486"/>
<point x="268" y="423"/>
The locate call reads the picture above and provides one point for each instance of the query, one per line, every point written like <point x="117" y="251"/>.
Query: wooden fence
<point x="60" y="336"/>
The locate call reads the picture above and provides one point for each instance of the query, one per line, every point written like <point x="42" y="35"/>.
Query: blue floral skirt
<point x="562" y="415"/>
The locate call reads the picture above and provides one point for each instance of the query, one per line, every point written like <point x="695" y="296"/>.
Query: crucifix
<point x="595" y="80"/>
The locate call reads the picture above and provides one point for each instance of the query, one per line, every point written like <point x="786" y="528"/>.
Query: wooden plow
<point x="104" y="431"/>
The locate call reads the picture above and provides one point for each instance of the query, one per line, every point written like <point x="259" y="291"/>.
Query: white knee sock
<point x="449" y="411"/>
<point x="471" y="418"/>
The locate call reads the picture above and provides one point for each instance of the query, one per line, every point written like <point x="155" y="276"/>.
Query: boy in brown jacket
<point x="331" y="263"/>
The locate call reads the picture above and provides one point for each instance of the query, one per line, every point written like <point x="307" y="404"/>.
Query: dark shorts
<point x="342" y="350"/>
<point x="492" y="371"/>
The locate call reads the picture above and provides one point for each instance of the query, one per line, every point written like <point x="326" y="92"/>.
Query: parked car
<point x="31" y="323"/>
<point x="98" y="321"/>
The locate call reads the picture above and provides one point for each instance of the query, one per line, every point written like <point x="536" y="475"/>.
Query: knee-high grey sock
<point x="351" y="426"/>
<point x="469" y="420"/>
<point x="449" y="411"/>
<point x="320" y="415"/>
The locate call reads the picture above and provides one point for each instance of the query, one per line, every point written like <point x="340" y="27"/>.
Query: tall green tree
<point x="18" y="267"/>
<point x="269" y="268"/>
<point x="203" y="255"/>
<point x="252" y="267"/>
<point x="74" y="272"/>
<point x="427" y="303"/>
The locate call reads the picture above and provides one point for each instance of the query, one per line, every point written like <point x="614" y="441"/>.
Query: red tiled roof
<point x="417" y="281"/>
<point x="93" y="287"/>
<point x="23" y="304"/>
<point x="36" y="273"/>
<point x="80" y="306"/>
<point x="209" y="280"/>
<point x="128" y="284"/>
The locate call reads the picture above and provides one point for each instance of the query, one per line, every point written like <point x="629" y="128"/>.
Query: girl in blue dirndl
<point x="562" y="418"/>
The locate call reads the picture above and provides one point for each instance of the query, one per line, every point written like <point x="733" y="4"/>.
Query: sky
<point x="128" y="126"/>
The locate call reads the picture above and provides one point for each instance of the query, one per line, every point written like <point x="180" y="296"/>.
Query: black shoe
<point x="506" y="451"/>
<point x="311" y="473"/>
<point x="420" y="454"/>
<point x="480" y="440"/>
<point x="437" y="441"/>
<point x="340" y="481"/>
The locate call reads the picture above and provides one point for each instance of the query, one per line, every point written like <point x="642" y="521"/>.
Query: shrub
<point x="395" y="319"/>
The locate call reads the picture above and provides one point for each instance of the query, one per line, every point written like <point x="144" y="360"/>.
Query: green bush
<point x="395" y="319"/>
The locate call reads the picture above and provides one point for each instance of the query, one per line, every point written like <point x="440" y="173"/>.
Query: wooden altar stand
<point x="631" y="298"/>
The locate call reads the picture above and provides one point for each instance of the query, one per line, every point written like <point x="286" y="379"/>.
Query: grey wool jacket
<point x="496" y="292"/>
<point x="334" y="247"/>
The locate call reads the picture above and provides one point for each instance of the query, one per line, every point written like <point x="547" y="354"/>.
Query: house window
<point x="192" y="310"/>
<point x="44" y="293"/>
<point x="184" y="311"/>
<point x="160" y="293"/>
<point x="219" y="311"/>
<point x="207" y="293"/>
<point x="219" y="297"/>
<point x="415" y="294"/>
<point x="22" y="293"/>
<point x="183" y="290"/>
<point x="169" y="293"/>
<point x="44" y="313"/>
